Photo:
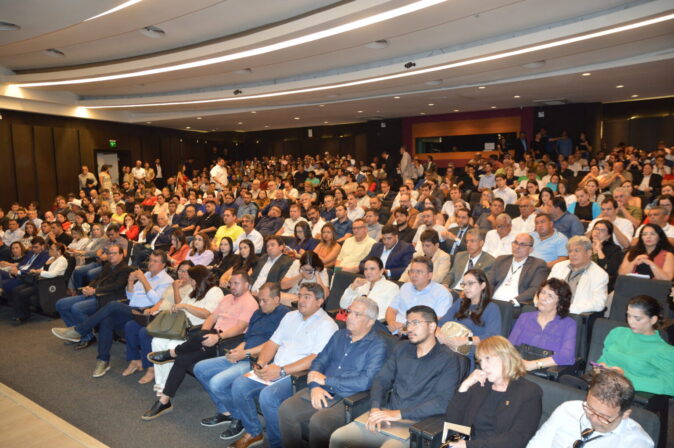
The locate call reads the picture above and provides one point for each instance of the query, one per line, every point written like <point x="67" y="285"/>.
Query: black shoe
<point x="160" y="357"/>
<point x="19" y="320"/>
<point x="84" y="344"/>
<point x="234" y="431"/>
<point x="216" y="420"/>
<point x="157" y="409"/>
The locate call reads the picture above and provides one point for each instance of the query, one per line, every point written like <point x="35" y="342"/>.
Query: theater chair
<point x="428" y="433"/>
<point x="627" y="286"/>
<point x="50" y="290"/>
<point x="340" y="281"/>
<point x="507" y="310"/>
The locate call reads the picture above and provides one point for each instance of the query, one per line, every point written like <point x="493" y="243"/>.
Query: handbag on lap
<point x="169" y="325"/>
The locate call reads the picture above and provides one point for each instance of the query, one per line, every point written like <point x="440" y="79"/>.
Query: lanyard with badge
<point x="509" y="279"/>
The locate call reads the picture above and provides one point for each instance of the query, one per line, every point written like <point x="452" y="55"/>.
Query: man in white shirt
<point x="219" y="174"/>
<point x="498" y="241"/>
<point x="288" y="227"/>
<point x="249" y="233"/>
<point x="353" y="210"/>
<point x="427" y="222"/>
<point x="315" y="221"/>
<point x="138" y="172"/>
<point x="602" y="419"/>
<point x="588" y="281"/>
<point x="503" y="191"/>
<point x="373" y="226"/>
<point x="526" y="222"/>
<point x="657" y="215"/>
<point x="623" y="230"/>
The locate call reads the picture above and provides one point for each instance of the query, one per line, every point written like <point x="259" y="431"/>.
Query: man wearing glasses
<point x="346" y="366"/>
<point x="416" y="382"/>
<point x="601" y="421"/>
<point x="515" y="278"/>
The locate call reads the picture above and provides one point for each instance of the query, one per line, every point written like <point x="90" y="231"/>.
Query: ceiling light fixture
<point x="297" y="118"/>
<point x="635" y="96"/>
<point x="356" y="24"/>
<point x="435" y="82"/>
<point x="422" y="113"/>
<point x="253" y="112"/>
<point x="482" y="87"/>
<point x="431" y="104"/>
<point x="396" y="97"/>
<point x="456" y="110"/>
<point x="516" y="96"/>
<point x="534" y="64"/>
<point x="619" y="86"/>
<point x="244" y="71"/>
<point x="377" y="44"/>
<point x="8" y="26"/>
<point x="153" y="32"/>
<point x="115" y="9"/>
<point x="360" y="111"/>
<point x="400" y="75"/>
<point x="493" y="107"/>
<point x="240" y="123"/>
<point x="188" y="127"/>
<point x="54" y="53"/>
<point x="587" y="74"/>
<point x="199" y="118"/>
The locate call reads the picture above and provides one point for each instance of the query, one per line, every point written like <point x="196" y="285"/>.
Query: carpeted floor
<point x="39" y="366"/>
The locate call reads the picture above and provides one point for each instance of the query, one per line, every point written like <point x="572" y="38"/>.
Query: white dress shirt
<point x="496" y="246"/>
<point x="383" y="291"/>
<point x="510" y="288"/>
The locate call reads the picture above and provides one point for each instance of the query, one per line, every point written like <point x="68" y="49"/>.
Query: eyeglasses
<point x="355" y="313"/>
<point x="520" y="244"/>
<point x="415" y="323"/>
<point x="464" y="284"/>
<point x="602" y="418"/>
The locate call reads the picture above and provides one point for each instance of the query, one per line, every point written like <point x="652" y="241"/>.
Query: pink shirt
<point x="231" y="310"/>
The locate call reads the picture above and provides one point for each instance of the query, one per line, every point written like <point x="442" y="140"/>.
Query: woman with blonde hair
<point x="500" y="406"/>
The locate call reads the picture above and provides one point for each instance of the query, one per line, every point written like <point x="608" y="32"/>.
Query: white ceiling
<point x="457" y="30"/>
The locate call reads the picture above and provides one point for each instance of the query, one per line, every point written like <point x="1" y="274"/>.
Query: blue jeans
<point x="217" y="376"/>
<point x="111" y="316"/>
<point x="242" y="406"/>
<point x="138" y="343"/>
<point x="82" y="275"/>
<point x="75" y="310"/>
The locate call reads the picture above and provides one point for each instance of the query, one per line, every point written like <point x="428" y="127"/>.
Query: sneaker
<point x="234" y="431"/>
<point x="67" y="334"/>
<point x="101" y="369"/>
<point x="157" y="410"/>
<point x="216" y="420"/>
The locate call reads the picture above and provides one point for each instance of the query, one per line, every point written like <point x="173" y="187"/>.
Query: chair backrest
<point x="627" y="286"/>
<point x="72" y="264"/>
<point x="555" y="394"/>
<point x="340" y="281"/>
<point x="513" y="210"/>
<point x="288" y="240"/>
<point x="600" y="330"/>
<point x="507" y="316"/>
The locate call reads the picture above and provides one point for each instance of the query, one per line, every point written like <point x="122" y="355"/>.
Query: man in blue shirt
<point x="566" y="223"/>
<point x="420" y="290"/>
<point x="549" y="244"/>
<point x="342" y="223"/>
<point x="142" y="291"/>
<point x="347" y="365"/>
<point x="218" y="374"/>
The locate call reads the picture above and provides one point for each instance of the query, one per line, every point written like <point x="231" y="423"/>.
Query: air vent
<point x="553" y="102"/>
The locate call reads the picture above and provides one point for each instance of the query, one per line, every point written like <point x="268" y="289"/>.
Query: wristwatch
<point x="283" y="372"/>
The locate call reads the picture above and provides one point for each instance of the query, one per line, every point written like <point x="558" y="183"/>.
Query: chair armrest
<point x="555" y="372"/>
<point x="299" y="380"/>
<point x="427" y="432"/>
<point x="355" y="405"/>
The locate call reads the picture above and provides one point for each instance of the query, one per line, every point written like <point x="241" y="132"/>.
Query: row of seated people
<point x="301" y="338"/>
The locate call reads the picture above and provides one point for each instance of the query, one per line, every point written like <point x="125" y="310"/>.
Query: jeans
<point x="82" y="275"/>
<point x="111" y="316"/>
<point x="75" y="310"/>
<point x="242" y="405"/>
<point x="8" y="283"/>
<point x="138" y="343"/>
<point x="217" y="376"/>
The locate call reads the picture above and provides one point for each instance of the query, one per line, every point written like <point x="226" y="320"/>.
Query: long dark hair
<point x="203" y="279"/>
<point x="640" y="248"/>
<point x="247" y="263"/>
<point x="485" y="299"/>
<point x="307" y="231"/>
<point x="311" y="258"/>
<point x="649" y="306"/>
<point x="563" y="292"/>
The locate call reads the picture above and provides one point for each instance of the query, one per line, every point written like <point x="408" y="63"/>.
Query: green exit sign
<point x="112" y="143"/>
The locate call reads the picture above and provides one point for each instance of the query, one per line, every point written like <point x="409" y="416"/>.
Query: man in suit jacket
<point x="652" y="183"/>
<point x="395" y="254"/>
<point x="272" y="266"/>
<point x="521" y="146"/>
<point x="472" y="258"/>
<point x="430" y="245"/>
<point x="516" y="278"/>
<point x="455" y="237"/>
<point x="34" y="259"/>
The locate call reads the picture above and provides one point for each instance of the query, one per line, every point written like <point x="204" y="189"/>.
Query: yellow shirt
<point x="223" y="231"/>
<point x="119" y="219"/>
<point x="353" y="252"/>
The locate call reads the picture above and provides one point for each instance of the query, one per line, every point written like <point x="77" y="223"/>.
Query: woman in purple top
<point x="549" y="328"/>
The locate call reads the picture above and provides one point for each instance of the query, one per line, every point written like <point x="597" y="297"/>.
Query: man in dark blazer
<point x="521" y="145"/>
<point x="272" y="266"/>
<point x="455" y="239"/>
<point x="654" y="182"/>
<point x="395" y="254"/>
<point x="472" y="258"/>
<point x="517" y="277"/>
<point x="34" y="259"/>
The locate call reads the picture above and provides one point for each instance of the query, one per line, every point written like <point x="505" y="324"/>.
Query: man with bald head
<point x="499" y="240"/>
<point x="515" y="278"/>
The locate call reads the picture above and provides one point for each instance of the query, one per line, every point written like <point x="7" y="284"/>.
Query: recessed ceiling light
<point x="8" y="26"/>
<point x="534" y="64"/>
<point x="54" y="53"/>
<point x="240" y="122"/>
<point x="516" y="96"/>
<point x="253" y="111"/>
<point x="587" y="74"/>
<point x="199" y="118"/>
<point x="188" y="127"/>
<point x="244" y="71"/>
<point x="635" y="96"/>
<point x="493" y="107"/>
<point x="377" y="44"/>
<point x="456" y="110"/>
<point x="297" y="118"/>
<point x="148" y="122"/>
<point x="153" y="32"/>
<point x="325" y="122"/>
<point x="321" y="105"/>
<point x="396" y="97"/>
<point x="435" y="82"/>
<point x="266" y="125"/>
<point x="619" y="86"/>
<point x="482" y="87"/>
<point x="422" y="113"/>
<point x="360" y="111"/>
<point x="213" y="129"/>
<point x="431" y="104"/>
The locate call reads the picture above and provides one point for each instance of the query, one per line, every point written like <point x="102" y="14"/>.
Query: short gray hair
<point x="580" y="240"/>
<point x="477" y="233"/>
<point x="505" y="217"/>
<point x="371" y="307"/>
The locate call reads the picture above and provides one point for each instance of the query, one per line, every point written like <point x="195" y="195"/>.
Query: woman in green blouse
<point x="639" y="352"/>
